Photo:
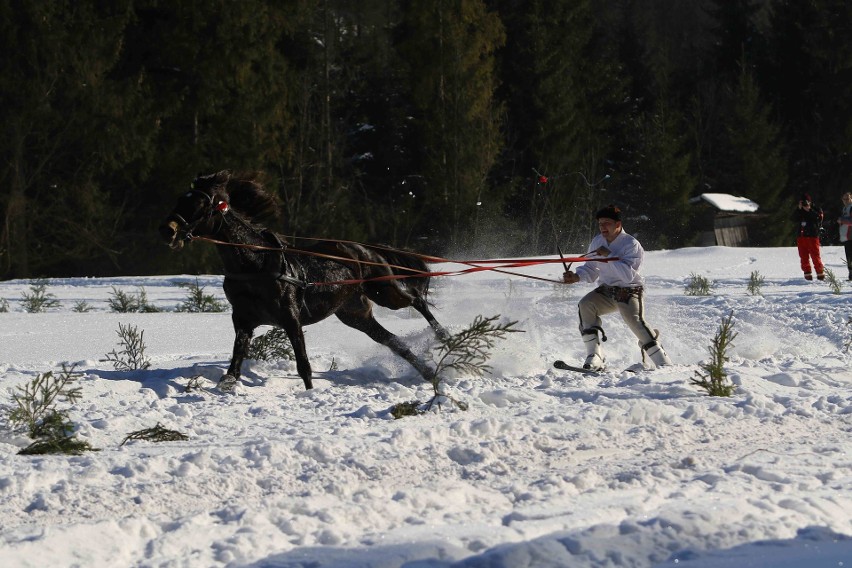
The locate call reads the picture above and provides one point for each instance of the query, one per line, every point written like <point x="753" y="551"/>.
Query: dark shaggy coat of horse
<point x="283" y="287"/>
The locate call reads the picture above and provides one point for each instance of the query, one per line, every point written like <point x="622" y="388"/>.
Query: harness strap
<point x="249" y="276"/>
<point x="594" y="330"/>
<point x="622" y="294"/>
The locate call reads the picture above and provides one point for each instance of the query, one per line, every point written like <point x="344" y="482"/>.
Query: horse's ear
<point x="224" y="175"/>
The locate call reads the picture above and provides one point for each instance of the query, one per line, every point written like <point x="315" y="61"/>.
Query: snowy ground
<point x="546" y="468"/>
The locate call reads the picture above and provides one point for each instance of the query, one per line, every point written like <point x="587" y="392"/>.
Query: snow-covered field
<point x="545" y="468"/>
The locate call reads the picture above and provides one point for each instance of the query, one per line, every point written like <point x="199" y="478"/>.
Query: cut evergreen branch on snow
<point x="156" y="434"/>
<point x="468" y="352"/>
<point x="402" y="409"/>
<point x="194" y="383"/>
<point x="715" y="379"/>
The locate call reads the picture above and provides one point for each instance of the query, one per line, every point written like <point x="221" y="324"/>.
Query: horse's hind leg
<point x="297" y="340"/>
<point x="358" y="314"/>
<point x="392" y="295"/>
<point x="421" y="306"/>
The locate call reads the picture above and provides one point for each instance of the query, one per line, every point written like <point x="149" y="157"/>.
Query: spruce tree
<point x="812" y="53"/>
<point x="67" y="134"/>
<point x="564" y="99"/>
<point x="450" y="48"/>
<point x="757" y="168"/>
<point x="664" y="176"/>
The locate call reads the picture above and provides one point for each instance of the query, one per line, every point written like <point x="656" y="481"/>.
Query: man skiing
<point x="620" y="288"/>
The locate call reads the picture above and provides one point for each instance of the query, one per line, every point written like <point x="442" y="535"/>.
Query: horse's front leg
<point x="242" y="341"/>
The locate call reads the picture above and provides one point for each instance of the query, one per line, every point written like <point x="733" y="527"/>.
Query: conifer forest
<point x="464" y="128"/>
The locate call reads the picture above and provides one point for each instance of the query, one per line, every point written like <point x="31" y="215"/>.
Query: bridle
<point x="204" y="216"/>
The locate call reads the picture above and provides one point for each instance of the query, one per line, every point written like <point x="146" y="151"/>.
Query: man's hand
<point x="602" y="251"/>
<point x="570" y="277"/>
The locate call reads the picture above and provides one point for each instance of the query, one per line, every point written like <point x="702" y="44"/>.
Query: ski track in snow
<point x="545" y="468"/>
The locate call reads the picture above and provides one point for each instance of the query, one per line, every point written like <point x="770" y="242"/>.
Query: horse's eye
<point x="192" y="185"/>
<point x="188" y="194"/>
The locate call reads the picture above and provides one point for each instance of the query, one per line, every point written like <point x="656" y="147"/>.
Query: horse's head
<point x="198" y="212"/>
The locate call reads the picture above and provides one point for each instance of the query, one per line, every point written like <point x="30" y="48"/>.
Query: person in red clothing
<point x="808" y="219"/>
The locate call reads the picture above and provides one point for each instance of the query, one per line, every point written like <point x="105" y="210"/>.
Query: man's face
<point x="609" y="228"/>
<point x="846" y="197"/>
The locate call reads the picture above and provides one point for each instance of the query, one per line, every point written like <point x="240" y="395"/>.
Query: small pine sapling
<point x="123" y="303"/>
<point x="197" y="301"/>
<point x="715" y="380"/>
<point x="848" y="344"/>
<point x="467" y="351"/>
<point x="132" y="356"/>
<point x="82" y="307"/>
<point x="510" y="291"/>
<point x="755" y="282"/>
<point x="38" y="299"/>
<point x="36" y="411"/>
<point x="833" y="283"/>
<point x="698" y="285"/>
<point x="273" y="345"/>
<point x="4" y="305"/>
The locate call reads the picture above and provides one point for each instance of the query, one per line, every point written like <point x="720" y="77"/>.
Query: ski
<point x="566" y="367"/>
<point x="562" y="365"/>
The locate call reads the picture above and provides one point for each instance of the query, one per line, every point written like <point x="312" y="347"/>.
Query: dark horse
<point x="268" y="283"/>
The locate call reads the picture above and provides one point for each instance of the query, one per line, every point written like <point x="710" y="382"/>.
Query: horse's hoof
<point x="228" y="384"/>
<point x="442" y="334"/>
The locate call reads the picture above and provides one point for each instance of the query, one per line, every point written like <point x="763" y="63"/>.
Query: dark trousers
<point x="847" y="246"/>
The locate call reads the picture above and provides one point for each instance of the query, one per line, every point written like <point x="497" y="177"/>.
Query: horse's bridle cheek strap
<point x="215" y="206"/>
<point x="178" y="220"/>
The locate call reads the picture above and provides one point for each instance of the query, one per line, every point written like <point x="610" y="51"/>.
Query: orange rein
<point x="475" y="265"/>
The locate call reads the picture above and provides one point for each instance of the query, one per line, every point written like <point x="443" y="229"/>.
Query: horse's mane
<point x="247" y="196"/>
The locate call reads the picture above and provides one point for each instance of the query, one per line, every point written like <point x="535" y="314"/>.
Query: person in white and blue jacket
<point x="620" y="289"/>
<point x="845" y="222"/>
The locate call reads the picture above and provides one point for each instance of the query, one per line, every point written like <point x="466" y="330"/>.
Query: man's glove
<point x="570" y="277"/>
